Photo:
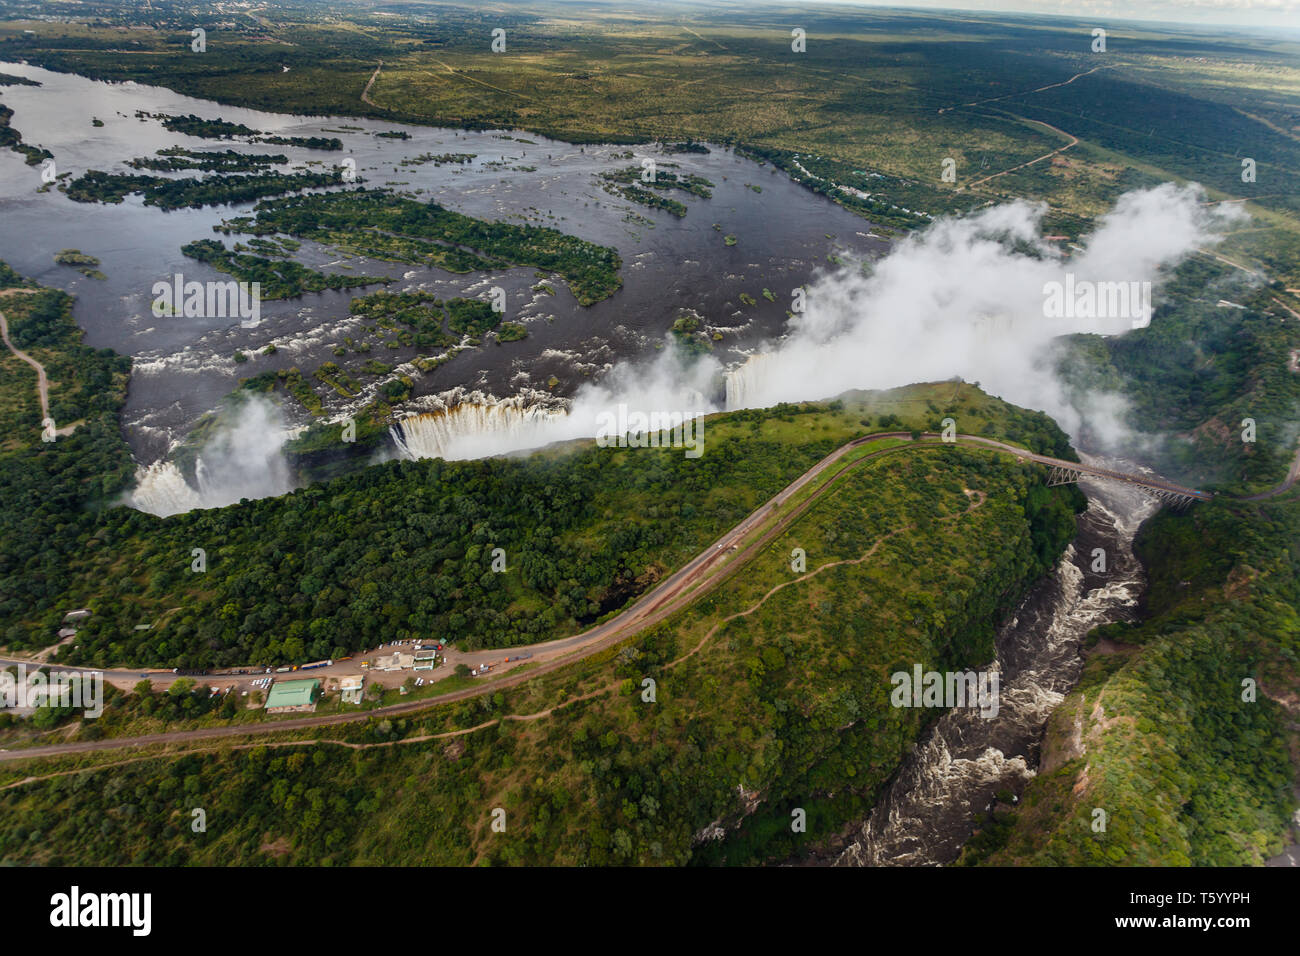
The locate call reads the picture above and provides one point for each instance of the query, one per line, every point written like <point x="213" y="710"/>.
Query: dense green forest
<point x="54" y="491"/>
<point x="379" y="224"/>
<point x="789" y="701"/>
<point x="279" y="278"/>
<point x="187" y="193"/>
<point x="402" y="550"/>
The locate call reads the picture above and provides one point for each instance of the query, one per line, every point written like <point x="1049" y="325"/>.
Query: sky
<point x="1244" y="13"/>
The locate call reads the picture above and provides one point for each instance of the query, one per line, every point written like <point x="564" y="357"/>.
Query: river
<point x="184" y="366"/>
<point x="945" y="787"/>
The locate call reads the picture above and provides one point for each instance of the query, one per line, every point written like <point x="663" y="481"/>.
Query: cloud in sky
<point x="1244" y="13"/>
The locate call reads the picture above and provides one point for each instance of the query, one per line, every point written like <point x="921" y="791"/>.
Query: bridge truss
<point x="1176" y="500"/>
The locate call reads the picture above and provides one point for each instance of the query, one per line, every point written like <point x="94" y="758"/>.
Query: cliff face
<point x="1173" y="750"/>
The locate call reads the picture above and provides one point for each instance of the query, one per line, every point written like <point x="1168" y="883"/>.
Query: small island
<point x="86" y="265"/>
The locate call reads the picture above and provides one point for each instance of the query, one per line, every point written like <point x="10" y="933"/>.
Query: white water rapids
<point x="931" y="807"/>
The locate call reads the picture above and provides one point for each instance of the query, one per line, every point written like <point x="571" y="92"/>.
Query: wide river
<point x="183" y="366"/>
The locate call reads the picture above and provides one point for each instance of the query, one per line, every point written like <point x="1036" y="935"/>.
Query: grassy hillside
<point x="1163" y="735"/>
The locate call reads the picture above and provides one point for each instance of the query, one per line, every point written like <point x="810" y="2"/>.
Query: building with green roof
<point x="292" y="695"/>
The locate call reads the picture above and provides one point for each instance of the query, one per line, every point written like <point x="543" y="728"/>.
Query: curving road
<point x="1142" y="481"/>
<point x="1291" y="477"/>
<point x="701" y="574"/>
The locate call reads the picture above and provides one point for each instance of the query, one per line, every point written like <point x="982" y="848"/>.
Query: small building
<point x="396" y="661"/>
<point x="77" y="615"/>
<point x="293" y="696"/>
<point x="350" y="689"/>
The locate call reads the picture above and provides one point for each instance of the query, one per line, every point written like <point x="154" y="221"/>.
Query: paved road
<point x="1155" y="484"/>
<point x="1291" y="477"/>
<point x="702" y="573"/>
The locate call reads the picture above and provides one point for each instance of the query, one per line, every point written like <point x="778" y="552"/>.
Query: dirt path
<point x="42" y="382"/>
<point x="460" y="74"/>
<point x="1229" y="262"/>
<point x="1073" y="141"/>
<point x="365" y="94"/>
<point x="704" y="38"/>
<point x="1005" y="96"/>
<point x="979" y="500"/>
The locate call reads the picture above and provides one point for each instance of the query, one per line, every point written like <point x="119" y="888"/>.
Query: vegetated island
<point x="191" y="125"/>
<point x="87" y="265"/>
<point x="178" y="159"/>
<point x="628" y="183"/>
<point x="384" y="226"/>
<point x="14" y="140"/>
<point x="97" y="186"/>
<point x="279" y="278"/>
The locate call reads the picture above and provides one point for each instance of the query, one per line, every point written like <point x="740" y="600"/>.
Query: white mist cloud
<point x="476" y="426"/>
<point x="966" y="297"/>
<point x="242" y="459"/>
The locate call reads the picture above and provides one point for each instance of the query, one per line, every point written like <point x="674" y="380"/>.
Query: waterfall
<point x="242" y="458"/>
<point x="477" y="429"/>
<point x="162" y="490"/>
<point x="748" y="384"/>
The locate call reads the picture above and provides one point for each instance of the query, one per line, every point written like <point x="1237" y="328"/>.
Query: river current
<point x="950" y="780"/>
<point x="183" y="367"/>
